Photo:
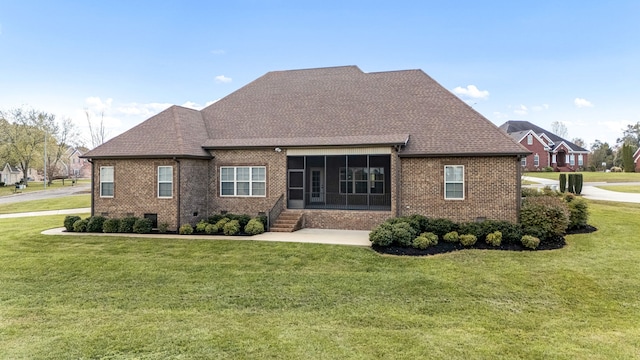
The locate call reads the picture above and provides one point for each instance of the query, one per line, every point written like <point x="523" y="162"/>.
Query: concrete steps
<point x="288" y="221"/>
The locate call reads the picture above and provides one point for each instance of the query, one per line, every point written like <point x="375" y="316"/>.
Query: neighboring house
<point x="342" y="148"/>
<point x="10" y="175"/>
<point x="547" y="149"/>
<point x="72" y="165"/>
<point x="636" y="159"/>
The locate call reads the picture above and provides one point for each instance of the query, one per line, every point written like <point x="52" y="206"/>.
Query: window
<point x="580" y="160"/>
<point x="454" y="182"/>
<point x="553" y="158"/>
<point x="165" y="181"/>
<point x="529" y="139"/>
<point x="536" y="160"/>
<point x="572" y="160"/>
<point x="523" y="162"/>
<point x="358" y="180"/>
<point x="106" y="181"/>
<point x="243" y="181"/>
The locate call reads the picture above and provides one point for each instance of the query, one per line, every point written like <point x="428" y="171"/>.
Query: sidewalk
<point x="45" y="213"/>
<point x="591" y="192"/>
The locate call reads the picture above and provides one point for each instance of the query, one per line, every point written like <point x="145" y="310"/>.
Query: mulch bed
<point x="445" y="247"/>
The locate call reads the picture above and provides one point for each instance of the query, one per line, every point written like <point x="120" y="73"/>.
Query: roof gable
<point x="512" y="126"/>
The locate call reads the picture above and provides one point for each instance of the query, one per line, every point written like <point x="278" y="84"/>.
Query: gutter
<point x="92" y="189"/>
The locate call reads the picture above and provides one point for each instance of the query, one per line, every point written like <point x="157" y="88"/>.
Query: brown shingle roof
<point x="176" y="131"/>
<point x="321" y="107"/>
<point x="334" y="102"/>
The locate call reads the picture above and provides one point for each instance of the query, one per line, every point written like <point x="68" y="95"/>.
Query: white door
<point x="317" y="185"/>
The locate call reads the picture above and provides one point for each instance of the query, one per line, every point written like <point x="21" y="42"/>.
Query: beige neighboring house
<point x="72" y="165"/>
<point x="10" y="175"/>
<point x="334" y="147"/>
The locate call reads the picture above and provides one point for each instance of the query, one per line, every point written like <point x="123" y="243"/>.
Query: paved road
<point x="592" y="192"/>
<point x="82" y="188"/>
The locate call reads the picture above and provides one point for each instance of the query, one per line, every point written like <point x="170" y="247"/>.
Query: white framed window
<point x="529" y="139"/>
<point x="523" y="162"/>
<point x="580" y="160"/>
<point x="243" y="181"/>
<point x="165" y="182"/>
<point x="454" y="182"/>
<point x="536" y="160"/>
<point x="572" y="160"/>
<point x="553" y="158"/>
<point x="106" y="181"/>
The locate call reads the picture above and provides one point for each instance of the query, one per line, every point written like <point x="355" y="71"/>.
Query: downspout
<point x="92" y="189"/>
<point x="398" y="181"/>
<point x="178" y="191"/>
<point x="518" y="188"/>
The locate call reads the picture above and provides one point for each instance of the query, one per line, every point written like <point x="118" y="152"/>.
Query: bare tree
<point x="559" y="128"/>
<point x="60" y="137"/>
<point x="579" y="141"/>
<point x="97" y="131"/>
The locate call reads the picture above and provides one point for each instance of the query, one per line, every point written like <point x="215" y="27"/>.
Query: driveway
<point x="82" y="188"/>
<point x="591" y="192"/>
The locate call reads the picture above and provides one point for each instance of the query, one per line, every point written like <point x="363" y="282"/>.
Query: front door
<point x="317" y="185"/>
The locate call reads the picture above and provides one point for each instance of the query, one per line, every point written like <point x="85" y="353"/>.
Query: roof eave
<point x="477" y="154"/>
<point x="157" y="156"/>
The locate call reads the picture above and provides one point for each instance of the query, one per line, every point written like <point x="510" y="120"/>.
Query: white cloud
<point x="223" y="79"/>
<point x="540" y="107"/>
<point x="145" y="110"/>
<point x="580" y="102"/>
<point x="521" y="110"/>
<point x="471" y="91"/>
<point x="96" y="104"/>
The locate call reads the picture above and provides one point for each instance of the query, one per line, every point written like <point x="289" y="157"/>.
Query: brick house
<point x="636" y="160"/>
<point x="547" y="149"/>
<point x="337" y="147"/>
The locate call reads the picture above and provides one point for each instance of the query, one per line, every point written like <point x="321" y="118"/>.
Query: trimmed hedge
<point x="232" y="227"/>
<point x="69" y="220"/>
<point x="111" y="225"/>
<point x="254" y="227"/>
<point x="143" y="226"/>
<point x="545" y="217"/>
<point x="95" y="223"/>
<point x="186" y="229"/>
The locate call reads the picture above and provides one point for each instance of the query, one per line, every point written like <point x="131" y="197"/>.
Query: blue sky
<point x="577" y="62"/>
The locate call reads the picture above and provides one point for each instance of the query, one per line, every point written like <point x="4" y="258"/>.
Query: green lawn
<point x="39" y="186"/>
<point x="66" y="202"/>
<point x="622" y="188"/>
<point x="591" y="176"/>
<point x="92" y="297"/>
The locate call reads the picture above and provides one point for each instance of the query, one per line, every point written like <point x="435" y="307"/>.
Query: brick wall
<point x="536" y="148"/>
<point x="491" y="188"/>
<point x="194" y="195"/>
<point x="345" y="219"/>
<point x="135" y="190"/>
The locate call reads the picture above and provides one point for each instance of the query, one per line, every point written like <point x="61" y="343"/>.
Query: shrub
<point x="211" y="229"/>
<point x="142" y="226"/>
<point x="80" y="225"/>
<point x="163" y="227"/>
<point x="126" y="224"/>
<point x="468" y="239"/>
<point x="571" y="186"/>
<point x="215" y="218"/>
<point x="243" y="219"/>
<point x="262" y="219"/>
<point x="578" y="213"/>
<point x="478" y="229"/>
<point x="451" y="237"/>
<point x="186" y="229"/>
<point x="220" y="223"/>
<point x="527" y="192"/>
<point x="232" y="227"/>
<point x="616" y="169"/>
<point x="494" y="239"/>
<point x="425" y="240"/>
<point x="544" y="217"/>
<point x="254" y="227"/>
<point x="201" y="225"/>
<point x="529" y="241"/>
<point x="111" y="225"/>
<point x="403" y="233"/>
<point x="69" y="220"/>
<point x="381" y="235"/>
<point x="548" y="169"/>
<point x="578" y="183"/>
<point x="511" y="232"/>
<point x="441" y="226"/>
<point x="563" y="182"/>
<point x="95" y="223"/>
<point x="420" y="222"/>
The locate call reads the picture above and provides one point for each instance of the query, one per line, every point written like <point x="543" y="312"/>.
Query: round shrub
<point x="441" y="227"/>
<point x="494" y="239"/>
<point x="69" y="220"/>
<point x="243" y="219"/>
<point x="201" y="225"/>
<point x="126" y="224"/>
<point x="544" y="217"/>
<point x="163" y="227"/>
<point x="186" y="229"/>
<point x="211" y="229"/>
<point x="231" y="228"/>
<point x="80" y="225"/>
<point x="254" y="227"/>
<point x="111" y="225"/>
<point x="451" y="237"/>
<point x="95" y="223"/>
<point x="578" y="212"/>
<point x="142" y="226"/>
<point x="403" y="233"/>
<point x="220" y="223"/>
<point x="425" y="240"/>
<point x="468" y="239"/>
<point x="381" y="235"/>
<point x="530" y="241"/>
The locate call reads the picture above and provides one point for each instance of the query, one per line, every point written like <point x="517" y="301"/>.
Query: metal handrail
<point x="275" y="211"/>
